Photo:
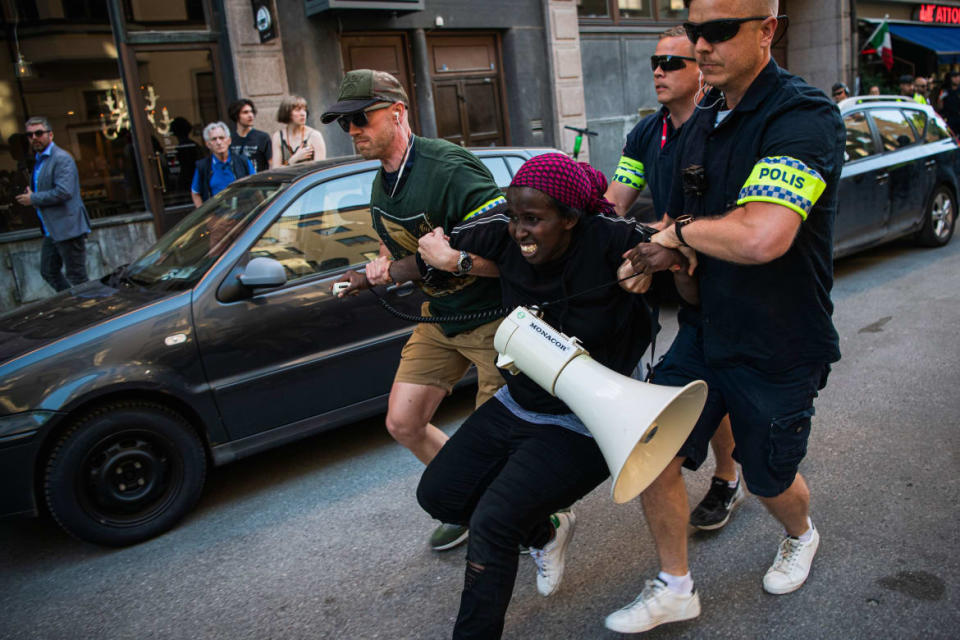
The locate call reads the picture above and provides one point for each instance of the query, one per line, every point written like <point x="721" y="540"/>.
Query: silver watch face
<point x="464" y="263"/>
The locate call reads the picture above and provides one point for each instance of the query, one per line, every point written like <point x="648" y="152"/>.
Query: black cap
<point x="839" y="85"/>
<point x="952" y="73"/>
<point x="906" y="78"/>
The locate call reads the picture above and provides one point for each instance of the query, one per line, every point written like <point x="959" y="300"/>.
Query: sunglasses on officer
<point x="38" y="133"/>
<point x="359" y="118"/>
<point x="669" y="63"/>
<point x="714" y="31"/>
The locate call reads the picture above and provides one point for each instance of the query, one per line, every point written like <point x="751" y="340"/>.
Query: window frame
<point x="614" y="19"/>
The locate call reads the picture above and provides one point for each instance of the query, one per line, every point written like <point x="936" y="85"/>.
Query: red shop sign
<point x="937" y="14"/>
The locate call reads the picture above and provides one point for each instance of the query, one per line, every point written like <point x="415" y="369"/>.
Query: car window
<point x="326" y="229"/>
<point x="499" y="170"/>
<point x="859" y="139"/>
<point x="895" y="131"/>
<point x="515" y="162"/>
<point x="936" y="130"/>
<point x="918" y="119"/>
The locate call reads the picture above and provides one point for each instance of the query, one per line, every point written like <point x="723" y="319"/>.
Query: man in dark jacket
<point x="55" y="193"/>
<point x="214" y="173"/>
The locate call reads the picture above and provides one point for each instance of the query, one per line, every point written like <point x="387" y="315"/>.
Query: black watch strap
<point x="679" y="224"/>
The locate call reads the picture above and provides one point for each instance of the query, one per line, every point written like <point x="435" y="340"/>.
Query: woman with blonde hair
<point x="295" y="141"/>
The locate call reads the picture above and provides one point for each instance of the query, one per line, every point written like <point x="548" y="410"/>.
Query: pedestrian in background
<point x="296" y="142"/>
<point x="55" y="193"/>
<point x="221" y="167"/>
<point x="247" y="141"/>
<point x="839" y="91"/>
<point x="949" y="101"/>
<point x="921" y="87"/>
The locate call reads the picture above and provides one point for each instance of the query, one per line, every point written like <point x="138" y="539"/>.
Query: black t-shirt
<point x="783" y="143"/>
<point x="256" y="145"/>
<point x="612" y="324"/>
<point x="652" y="143"/>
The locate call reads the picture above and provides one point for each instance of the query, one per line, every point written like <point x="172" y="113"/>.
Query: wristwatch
<point x="679" y="224"/>
<point x="464" y="264"/>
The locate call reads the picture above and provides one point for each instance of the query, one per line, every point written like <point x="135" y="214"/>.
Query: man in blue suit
<point x="55" y="193"/>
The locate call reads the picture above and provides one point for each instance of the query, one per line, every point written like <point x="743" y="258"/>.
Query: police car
<point x="900" y="176"/>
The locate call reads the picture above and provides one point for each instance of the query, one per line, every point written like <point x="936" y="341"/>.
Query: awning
<point x="944" y="41"/>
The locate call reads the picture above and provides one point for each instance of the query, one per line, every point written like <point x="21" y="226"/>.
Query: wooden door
<point x="468" y="89"/>
<point x="383" y="52"/>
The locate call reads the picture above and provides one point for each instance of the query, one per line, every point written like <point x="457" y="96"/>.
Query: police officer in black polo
<point x="647" y="159"/>
<point x="759" y="166"/>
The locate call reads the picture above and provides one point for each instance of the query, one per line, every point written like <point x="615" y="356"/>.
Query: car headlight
<point x="23" y="423"/>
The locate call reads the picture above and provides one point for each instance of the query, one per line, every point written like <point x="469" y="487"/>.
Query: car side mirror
<point x="263" y="272"/>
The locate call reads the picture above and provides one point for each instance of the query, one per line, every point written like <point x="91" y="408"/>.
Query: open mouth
<point x="528" y="249"/>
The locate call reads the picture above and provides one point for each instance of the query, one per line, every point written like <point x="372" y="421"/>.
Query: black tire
<point x="939" y="218"/>
<point x="124" y="472"/>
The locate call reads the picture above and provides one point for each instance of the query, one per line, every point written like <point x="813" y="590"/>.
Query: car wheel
<point x="124" y="472"/>
<point x="939" y="218"/>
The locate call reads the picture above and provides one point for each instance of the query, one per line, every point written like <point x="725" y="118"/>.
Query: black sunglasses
<point x="714" y="31"/>
<point x="669" y="63"/>
<point x="359" y="118"/>
<point x="38" y="133"/>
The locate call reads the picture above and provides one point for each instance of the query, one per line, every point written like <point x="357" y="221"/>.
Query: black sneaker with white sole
<point x="714" y="510"/>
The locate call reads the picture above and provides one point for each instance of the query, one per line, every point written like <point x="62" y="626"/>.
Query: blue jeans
<point x="69" y="254"/>
<point x="504" y="477"/>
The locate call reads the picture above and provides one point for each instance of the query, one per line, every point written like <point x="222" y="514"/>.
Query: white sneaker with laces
<point x="550" y="559"/>
<point x="792" y="565"/>
<point x="655" y="605"/>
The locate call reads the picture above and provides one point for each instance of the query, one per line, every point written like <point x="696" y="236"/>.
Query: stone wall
<point x="261" y="72"/>
<point x="819" y="42"/>
<point x="563" y="42"/>
<point x="119" y="242"/>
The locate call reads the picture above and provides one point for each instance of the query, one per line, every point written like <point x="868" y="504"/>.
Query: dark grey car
<point x="223" y="340"/>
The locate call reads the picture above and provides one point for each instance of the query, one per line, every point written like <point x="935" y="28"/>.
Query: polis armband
<point x="785" y="181"/>
<point x="630" y="172"/>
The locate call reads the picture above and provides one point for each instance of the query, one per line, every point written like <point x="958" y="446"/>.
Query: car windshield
<point x="183" y="254"/>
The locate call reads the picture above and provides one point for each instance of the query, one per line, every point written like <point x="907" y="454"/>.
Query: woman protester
<point x="523" y="456"/>
<point x="296" y="142"/>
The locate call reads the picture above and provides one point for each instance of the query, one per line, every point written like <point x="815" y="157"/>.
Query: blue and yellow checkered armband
<point x="630" y="173"/>
<point x="486" y="206"/>
<point x="785" y="181"/>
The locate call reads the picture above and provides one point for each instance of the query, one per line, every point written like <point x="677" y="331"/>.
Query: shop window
<point x="327" y="228"/>
<point x="617" y="11"/>
<point x="174" y="15"/>
<point x="75" y="83"/>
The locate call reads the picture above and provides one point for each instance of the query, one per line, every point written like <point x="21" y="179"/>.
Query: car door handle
<point x="882" y="177"/>
<point x="929" y="163"/>
<point x="401" y="289"/>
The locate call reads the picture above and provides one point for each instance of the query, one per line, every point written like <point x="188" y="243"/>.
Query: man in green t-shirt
<point x="422" y="184"/>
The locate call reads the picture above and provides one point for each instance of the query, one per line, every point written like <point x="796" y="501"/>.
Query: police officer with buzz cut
<point x="759" y="167"/>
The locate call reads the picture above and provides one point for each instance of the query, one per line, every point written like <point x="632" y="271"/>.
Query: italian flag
<point x="879" y="44"/>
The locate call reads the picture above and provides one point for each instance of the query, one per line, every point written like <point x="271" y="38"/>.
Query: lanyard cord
<point x="403" y="164"/>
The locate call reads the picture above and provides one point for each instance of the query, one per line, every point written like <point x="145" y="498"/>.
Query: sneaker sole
<point x="456" y="542"/>
<point x="627" y="629"/>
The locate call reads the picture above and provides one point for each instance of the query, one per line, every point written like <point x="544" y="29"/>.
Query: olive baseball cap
<point x="362" y="88"/>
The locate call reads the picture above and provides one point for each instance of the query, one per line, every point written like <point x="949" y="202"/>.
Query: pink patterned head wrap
<point x="575" y="184"/>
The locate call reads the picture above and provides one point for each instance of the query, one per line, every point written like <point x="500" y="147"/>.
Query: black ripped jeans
<point x="504" y="477"/>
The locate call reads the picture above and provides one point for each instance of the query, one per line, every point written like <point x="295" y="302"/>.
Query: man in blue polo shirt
<point x="759" y="168"/>
<point x="213" y="174"/>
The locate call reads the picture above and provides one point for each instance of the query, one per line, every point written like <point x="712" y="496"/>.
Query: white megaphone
<point x="638" y="426"/>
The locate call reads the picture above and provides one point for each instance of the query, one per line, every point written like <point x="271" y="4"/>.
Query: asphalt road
<point x="324" y="539"/>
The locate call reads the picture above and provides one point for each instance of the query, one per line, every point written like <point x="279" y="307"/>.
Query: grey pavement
<point x="324" y="539"/>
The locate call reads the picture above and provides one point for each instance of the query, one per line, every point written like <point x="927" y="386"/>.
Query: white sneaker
<point x="792" y="565"/>
<point x="550" y="559"/>
<point x="655" y="605"/>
